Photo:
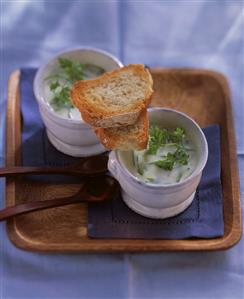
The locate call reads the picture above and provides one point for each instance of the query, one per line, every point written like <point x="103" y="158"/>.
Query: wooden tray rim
<point x="135" y="245"/>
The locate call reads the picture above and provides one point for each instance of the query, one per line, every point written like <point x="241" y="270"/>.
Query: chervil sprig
<point x="166" y="137"/>
<point x="178" y="157"/>
<point x="61" y="96"/>
<point x="161" y="137"/>
<point x="157" y="137"/>
<point x="73" y="70"/>
<point x="61" y="83"/>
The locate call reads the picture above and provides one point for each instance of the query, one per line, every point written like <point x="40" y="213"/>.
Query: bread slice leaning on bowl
<point x="128" y="137"/>
<point x="114" y="99"/>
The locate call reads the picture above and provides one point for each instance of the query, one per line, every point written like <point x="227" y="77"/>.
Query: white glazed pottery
<point x="71" y="136"/>
<point x="158" y="200"/>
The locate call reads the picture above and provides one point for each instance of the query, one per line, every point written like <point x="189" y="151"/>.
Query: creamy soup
<point x="169" y="158"/>
<point x="59" y="83"/>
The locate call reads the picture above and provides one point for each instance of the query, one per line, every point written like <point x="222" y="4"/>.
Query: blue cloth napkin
<point x="202" y="219"/>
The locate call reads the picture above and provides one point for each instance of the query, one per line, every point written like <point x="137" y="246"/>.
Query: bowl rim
<point x="197" y="171"/>
<point x="40" y="99"/>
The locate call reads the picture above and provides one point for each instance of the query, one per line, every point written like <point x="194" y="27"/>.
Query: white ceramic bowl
<point x="71" y="136"/>
<point x="162" y="201"/>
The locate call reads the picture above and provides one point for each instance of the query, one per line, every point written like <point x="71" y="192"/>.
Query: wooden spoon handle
<point x="14" y="171"/>
<point x="37" y="205"/>
<point x="94" y="165"/>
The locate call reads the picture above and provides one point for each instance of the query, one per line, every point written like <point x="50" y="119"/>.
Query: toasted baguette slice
<point x="116" y="98"/>
<point x="126" y="137"/>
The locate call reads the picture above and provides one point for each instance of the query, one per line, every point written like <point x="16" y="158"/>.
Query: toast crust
<point x="126" y="137"/>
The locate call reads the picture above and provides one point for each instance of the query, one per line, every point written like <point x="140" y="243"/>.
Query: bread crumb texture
<point x="116" y="98"/>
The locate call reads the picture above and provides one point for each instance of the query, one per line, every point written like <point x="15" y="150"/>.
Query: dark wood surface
<point x="204" y="96"/>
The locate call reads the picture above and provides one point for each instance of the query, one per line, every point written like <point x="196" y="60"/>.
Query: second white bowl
<point x="71" y="136"/>
<point x="158" y="200"/>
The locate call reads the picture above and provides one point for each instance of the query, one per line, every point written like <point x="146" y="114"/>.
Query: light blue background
<point x="207" y="34"/>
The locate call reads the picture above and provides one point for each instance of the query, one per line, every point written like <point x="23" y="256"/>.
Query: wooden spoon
<point x="87" y="166"/>
<point x="96" y="189"/>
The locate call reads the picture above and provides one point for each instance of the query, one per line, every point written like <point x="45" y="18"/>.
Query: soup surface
<point x="170" y="157"/>
<point x="58" y="85"/>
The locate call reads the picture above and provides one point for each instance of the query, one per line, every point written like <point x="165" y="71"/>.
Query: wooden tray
<point x="203" y="95"/>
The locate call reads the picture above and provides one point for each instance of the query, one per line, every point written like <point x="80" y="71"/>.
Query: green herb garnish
<point x="139" y="163"/>
<point x="149" y="179"/>
<point x="61" y="96"/>
<point x="61" y="83"/>
<point x="167" y="163"/>
<point x="161" y="137"/>
<point x="178" y="157"/>
<point x="165" y="137"/>
<point x="179" y="177"/>
<point x="73" y="70"/>
<point x="181" y="156"/>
